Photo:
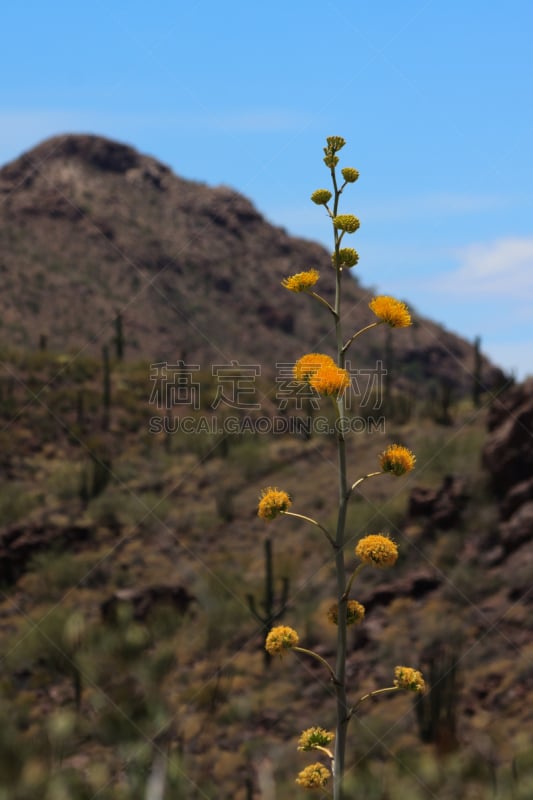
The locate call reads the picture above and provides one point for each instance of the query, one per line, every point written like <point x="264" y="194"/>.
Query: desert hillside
<point x="137" y="580"/>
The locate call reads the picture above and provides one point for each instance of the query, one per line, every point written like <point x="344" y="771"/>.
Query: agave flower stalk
<point x="329" y="377"/>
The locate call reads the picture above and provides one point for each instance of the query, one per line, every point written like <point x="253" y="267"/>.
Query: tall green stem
<point x="340" y="567"/>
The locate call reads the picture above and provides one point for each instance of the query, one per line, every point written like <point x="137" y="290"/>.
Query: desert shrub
<point x="64" y="480"/>
<point x="15" y="502"/>
<point x="54" y="572"/>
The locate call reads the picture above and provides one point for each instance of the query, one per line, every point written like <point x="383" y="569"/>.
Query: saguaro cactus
<point x="477" y="386"/>
<point x="119" y="337"/>
<point x="106" y="387"/>
<point x="437" y="710"/>
<point x="269" y="615"/>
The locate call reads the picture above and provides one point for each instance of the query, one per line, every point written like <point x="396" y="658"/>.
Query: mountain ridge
<point x="195" y="271"/>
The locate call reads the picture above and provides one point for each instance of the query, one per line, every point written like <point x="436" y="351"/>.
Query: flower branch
<point x="318" y="658"/>
<point x="313" y="522"/>
<point x="363" y="330"/>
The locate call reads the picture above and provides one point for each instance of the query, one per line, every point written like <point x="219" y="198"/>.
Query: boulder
<point x="517" y="496"/>
<point x="508" y="452"/>
<point x="440" y="507"/>
<point x="20" y="541"/>
<point x="508" y="457"/>
<point x="416" y="586"/>
<point x="143" y="599"/>
<point x="519" y="528"/>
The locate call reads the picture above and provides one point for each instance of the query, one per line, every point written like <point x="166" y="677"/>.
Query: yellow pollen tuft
<point x="377" y="551"/>
<point x="330" y="380"/>
<point x="397" y="459"/>
<point x="280" y="639"/>
<point x="309" y="364"/>
<point x="301" y="281"/>
<point x="392" y="311"/>
<point x="272" y="502"/>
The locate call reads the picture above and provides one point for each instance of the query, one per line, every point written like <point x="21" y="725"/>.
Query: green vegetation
<point x="185" y="690"/>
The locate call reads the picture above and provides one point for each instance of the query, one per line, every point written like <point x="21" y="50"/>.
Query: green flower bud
<point x="335" y="143"/>
<point x="350" y="174"/>
<point x="348" y="257"/>
<point x="315" y="737"/>
<point x="330" y="161"/>
<point x="321" y="197"/>
<point x="346" y="222"/>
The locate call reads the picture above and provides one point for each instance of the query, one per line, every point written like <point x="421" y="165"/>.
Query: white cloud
<point x="502" y="268"/>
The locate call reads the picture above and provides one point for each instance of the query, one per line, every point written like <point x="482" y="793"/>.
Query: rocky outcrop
<point x="508" y="453"/>
<point x="441" y="508"/>
<point x="415" y="585"/>
<point x="508" y="457"/>
<point x="20" y="541"/>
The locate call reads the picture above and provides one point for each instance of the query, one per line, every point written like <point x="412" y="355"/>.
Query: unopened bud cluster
<point x="334" y="144"/>
<point x="350" y="174"/>
<point x="346" y="257"/>
<point x="346" y="222"/>
<point x="321" y="197"/>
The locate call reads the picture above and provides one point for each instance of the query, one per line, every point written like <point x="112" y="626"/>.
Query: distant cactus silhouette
<point x="80" y="408"/>
<point x="436" y="711"/>
<point x="119" y="337"/>
<point x="270" y="616"/>
<point x="106" y="388"/>
<point x="477" y="386"/>
<point x="96" y="474"/>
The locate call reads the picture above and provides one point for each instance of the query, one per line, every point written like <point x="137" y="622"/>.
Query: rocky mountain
<point x="508" y="457"/>
<point x="90" y="228"/>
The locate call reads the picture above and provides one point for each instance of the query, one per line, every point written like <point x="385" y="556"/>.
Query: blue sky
<point x="434" y="99"/>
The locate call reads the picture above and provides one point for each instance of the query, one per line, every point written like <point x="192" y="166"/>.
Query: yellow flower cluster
<point x="301" y="281"/>
<point x="410" y="679"/>
<point x="322" y="374"/>
<point x="309" y="364"/>
<point x="392" y="311"/>
<point x="330" y="380"/>
<point x="397" y="459"/>
<point x="315" y="776"/>
<point x="377" y="551"/>
<point x="281" y="638"/>
<point x="346" y="222"/>
<point x="312" y="738"/>
<point x="273" y="502"/>
<point x="355" y="613"/>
